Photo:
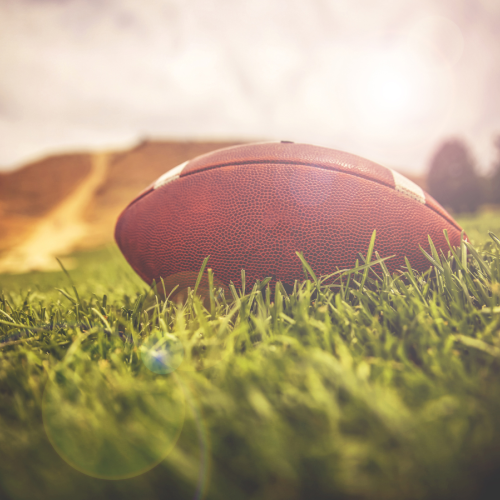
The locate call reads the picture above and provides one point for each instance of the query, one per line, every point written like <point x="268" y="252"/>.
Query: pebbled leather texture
<point x="252" y="207"/>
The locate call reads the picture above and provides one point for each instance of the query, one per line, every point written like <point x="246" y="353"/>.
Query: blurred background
<point x="100" y="97"/>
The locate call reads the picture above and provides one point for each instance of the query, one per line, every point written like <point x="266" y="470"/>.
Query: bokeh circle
<point x="108" y="422"/>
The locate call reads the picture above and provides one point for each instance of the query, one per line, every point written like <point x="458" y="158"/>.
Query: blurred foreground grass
<point x="387" y="388"/>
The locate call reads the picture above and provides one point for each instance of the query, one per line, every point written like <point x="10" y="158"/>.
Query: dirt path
<point x="61" y="230"/>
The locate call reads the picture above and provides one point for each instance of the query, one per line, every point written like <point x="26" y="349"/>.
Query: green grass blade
<point x="200" y="274"/>
<point x="368" y="259"/>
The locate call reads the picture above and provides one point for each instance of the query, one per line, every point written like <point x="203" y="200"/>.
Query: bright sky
<point x="384" y="79"/>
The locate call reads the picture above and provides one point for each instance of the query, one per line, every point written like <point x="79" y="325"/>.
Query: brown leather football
<point x="253" y="206"/>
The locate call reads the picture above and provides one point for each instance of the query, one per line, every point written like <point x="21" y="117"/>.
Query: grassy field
<point x="387" y="388"/>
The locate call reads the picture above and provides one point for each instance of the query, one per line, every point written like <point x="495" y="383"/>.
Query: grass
<point x="385" y="388"/>
<point x="477" y="225"/>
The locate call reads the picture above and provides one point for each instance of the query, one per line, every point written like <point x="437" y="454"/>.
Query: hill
<point x="70" y="202"/>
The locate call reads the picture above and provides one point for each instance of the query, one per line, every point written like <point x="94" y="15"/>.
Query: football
<point x="254" y="206"/>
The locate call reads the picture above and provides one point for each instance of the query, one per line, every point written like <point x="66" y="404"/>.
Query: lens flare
<point x="442" y="36"/>
<point x="403" y="93"/>
<point x="392" y="88"/>
<point x="107" y="422"/>
<point x="162" y="355"/>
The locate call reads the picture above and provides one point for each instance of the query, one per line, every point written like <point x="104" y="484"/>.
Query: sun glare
<point x="390" y="89"/>
<point x="401" y="93"/>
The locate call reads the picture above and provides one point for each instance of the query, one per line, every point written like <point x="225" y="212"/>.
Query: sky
<point x="385" y="79"/>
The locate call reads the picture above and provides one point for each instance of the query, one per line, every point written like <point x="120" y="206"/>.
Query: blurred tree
<point x="453" y="180"/>
<point x="494" y="184"/>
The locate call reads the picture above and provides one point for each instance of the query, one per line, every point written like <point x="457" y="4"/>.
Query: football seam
<point x="182" y="175"/>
